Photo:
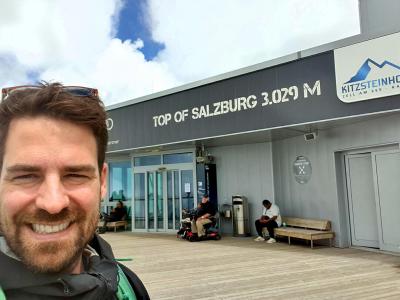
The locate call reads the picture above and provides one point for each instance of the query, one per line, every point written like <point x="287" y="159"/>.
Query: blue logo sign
<point x="371" y="77"/>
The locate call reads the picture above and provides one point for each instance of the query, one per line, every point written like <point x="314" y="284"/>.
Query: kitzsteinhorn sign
<point x="368" y="70"/>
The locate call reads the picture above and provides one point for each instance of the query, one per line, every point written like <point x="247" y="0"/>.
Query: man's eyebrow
<point x="22" y="168"/>
<point x="32" y="168"/>
<point x="80" y="168"/>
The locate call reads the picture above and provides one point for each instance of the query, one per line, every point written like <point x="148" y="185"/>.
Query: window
<point x="147" y="160"/>
<point x="178" y="158"/>
<point x="120" y="181"/>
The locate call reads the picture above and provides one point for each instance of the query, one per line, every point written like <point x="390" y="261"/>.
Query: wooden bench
<point x="115" y="225"/>
<point x="306" y="229"/>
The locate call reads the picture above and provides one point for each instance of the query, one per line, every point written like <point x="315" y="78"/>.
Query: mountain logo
<point x="372" y="77"/>
<point x="365" y="69"/>
<point x="368" y="70"/>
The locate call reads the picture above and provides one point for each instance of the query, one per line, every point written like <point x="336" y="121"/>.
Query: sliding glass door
<point x="160" y="196"/>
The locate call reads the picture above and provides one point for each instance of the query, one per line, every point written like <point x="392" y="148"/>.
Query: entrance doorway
<point x="373" y="192"/>
<point x="159" y="197"/>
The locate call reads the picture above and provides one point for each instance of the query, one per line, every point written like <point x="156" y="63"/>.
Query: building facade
<point x="316" y="132"/>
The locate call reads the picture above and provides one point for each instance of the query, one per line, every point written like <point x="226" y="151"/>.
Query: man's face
<point x="267" y="205"/>
<point x="50" y="188"/>
<point x="204" y="199"/>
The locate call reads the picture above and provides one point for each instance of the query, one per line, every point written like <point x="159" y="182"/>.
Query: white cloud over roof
<point x="74" y="41"/>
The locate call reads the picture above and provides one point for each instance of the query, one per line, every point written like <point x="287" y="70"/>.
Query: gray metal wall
<point x="320" y="198"/>
<point x="379" y="16"/>
<point x="244" y="170"/>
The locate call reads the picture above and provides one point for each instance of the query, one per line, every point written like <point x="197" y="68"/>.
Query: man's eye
<point x="25" y="178"/>
<point x="76" y="177"/>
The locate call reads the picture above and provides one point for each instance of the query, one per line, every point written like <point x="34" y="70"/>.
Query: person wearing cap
<point x="271" y="219"/>
<point x="205" y="210"/>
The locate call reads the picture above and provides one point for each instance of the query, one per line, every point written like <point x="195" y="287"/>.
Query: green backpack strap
<point x="125" y="291"/>
<point x="2" y="295"/>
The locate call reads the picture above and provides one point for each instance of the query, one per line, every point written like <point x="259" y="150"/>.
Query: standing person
<point x="205" y="211"/>
<point x="271" y="218"/>
<point x="53" y="140"/>
<point x="118" y="213"/>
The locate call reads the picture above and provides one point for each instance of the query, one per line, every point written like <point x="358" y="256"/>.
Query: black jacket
<point x="100" y="281"/>
<point x="206" y="208"/>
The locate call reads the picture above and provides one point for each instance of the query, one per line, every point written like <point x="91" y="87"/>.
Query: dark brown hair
<point x="50" y="100"/>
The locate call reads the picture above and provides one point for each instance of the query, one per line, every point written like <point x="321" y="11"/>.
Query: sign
<point x="286" y="94"/>
<point x="297" y="92"/>
<point x="187" y="188"/>
<point x="302" y="169"/>
<point x="368" y="70"/>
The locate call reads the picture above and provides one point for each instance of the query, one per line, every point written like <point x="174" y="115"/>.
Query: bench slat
<point x="304" y="233"/>
<point x="307" y="223"/>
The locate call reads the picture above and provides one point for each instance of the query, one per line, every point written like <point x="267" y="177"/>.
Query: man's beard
<point x="50" y="256"/>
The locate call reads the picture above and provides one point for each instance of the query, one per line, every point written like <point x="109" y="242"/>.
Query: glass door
<point x="155" y="200"/>
<point x="159" y="197"/>
<point x="139" y="201"/>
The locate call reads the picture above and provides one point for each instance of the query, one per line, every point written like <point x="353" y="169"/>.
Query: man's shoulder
<point x="102" y="247"/>
<point x="135" y="282"/>
<point x="276" y="207"/>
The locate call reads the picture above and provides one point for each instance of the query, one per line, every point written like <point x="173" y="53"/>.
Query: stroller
<point x="185" y="230"/>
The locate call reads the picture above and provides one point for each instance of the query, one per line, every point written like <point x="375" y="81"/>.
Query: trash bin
<point x="240" y="220"/>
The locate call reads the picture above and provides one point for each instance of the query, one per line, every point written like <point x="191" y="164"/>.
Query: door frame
<point x="342" y="187"/>
<point x="163" y="169"/>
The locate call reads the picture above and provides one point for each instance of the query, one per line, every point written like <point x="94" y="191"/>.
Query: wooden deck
<point x="238" y="268"/>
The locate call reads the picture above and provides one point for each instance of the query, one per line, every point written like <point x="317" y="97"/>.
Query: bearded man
<point x="53" y="140"/>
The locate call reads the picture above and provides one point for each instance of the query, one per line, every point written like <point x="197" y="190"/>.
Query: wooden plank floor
<point x="238" y="268"/>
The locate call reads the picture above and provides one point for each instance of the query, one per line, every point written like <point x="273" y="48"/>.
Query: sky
<point x="132" y="48"/>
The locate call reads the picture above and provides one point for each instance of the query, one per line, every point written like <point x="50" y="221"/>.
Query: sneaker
<point x="259" y="239"/>
<point x="271" y="240"/>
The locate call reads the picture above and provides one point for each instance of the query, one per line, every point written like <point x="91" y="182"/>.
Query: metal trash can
<point x="240" y="220"/>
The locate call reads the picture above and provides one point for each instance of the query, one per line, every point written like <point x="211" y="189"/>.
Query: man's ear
<point x="103" y="181"/>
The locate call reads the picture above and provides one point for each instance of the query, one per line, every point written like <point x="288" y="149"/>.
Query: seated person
<point x="205" y="210"/>
<point x="117" y="214"/>
<point x="271" y="218"/>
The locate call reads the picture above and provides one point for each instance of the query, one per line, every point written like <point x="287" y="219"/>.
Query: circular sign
<point x="302" y="169"/>
<point x="109" y="124"/>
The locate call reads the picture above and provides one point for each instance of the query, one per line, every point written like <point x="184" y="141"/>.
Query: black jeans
<point x="270" y="227"/>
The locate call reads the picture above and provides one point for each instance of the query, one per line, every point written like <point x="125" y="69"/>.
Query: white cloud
<point x="74" y="41"/>
<point x="209" y="37"/>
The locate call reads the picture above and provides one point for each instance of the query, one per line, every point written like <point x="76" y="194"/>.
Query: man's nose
<point x="52" y="196"/>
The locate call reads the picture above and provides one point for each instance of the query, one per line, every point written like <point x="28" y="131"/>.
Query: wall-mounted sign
<point x="368" y="70"/>
<point x="297" y="92"/>
<point x="109" y="124"/>
<point x="302" y="169"/>
<point x="187" y="188"/>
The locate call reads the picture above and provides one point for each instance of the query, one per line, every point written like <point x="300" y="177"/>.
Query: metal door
<point x="361" y="195"/>
<point x="387" y="193"/>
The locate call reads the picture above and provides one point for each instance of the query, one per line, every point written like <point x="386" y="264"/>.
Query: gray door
<point x="387" y="191"/>
<point x="361" y="195"/>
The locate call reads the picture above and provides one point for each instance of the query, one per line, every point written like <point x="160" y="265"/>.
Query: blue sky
<point x="132" y="25"/>
<point x="131" y="48"/>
